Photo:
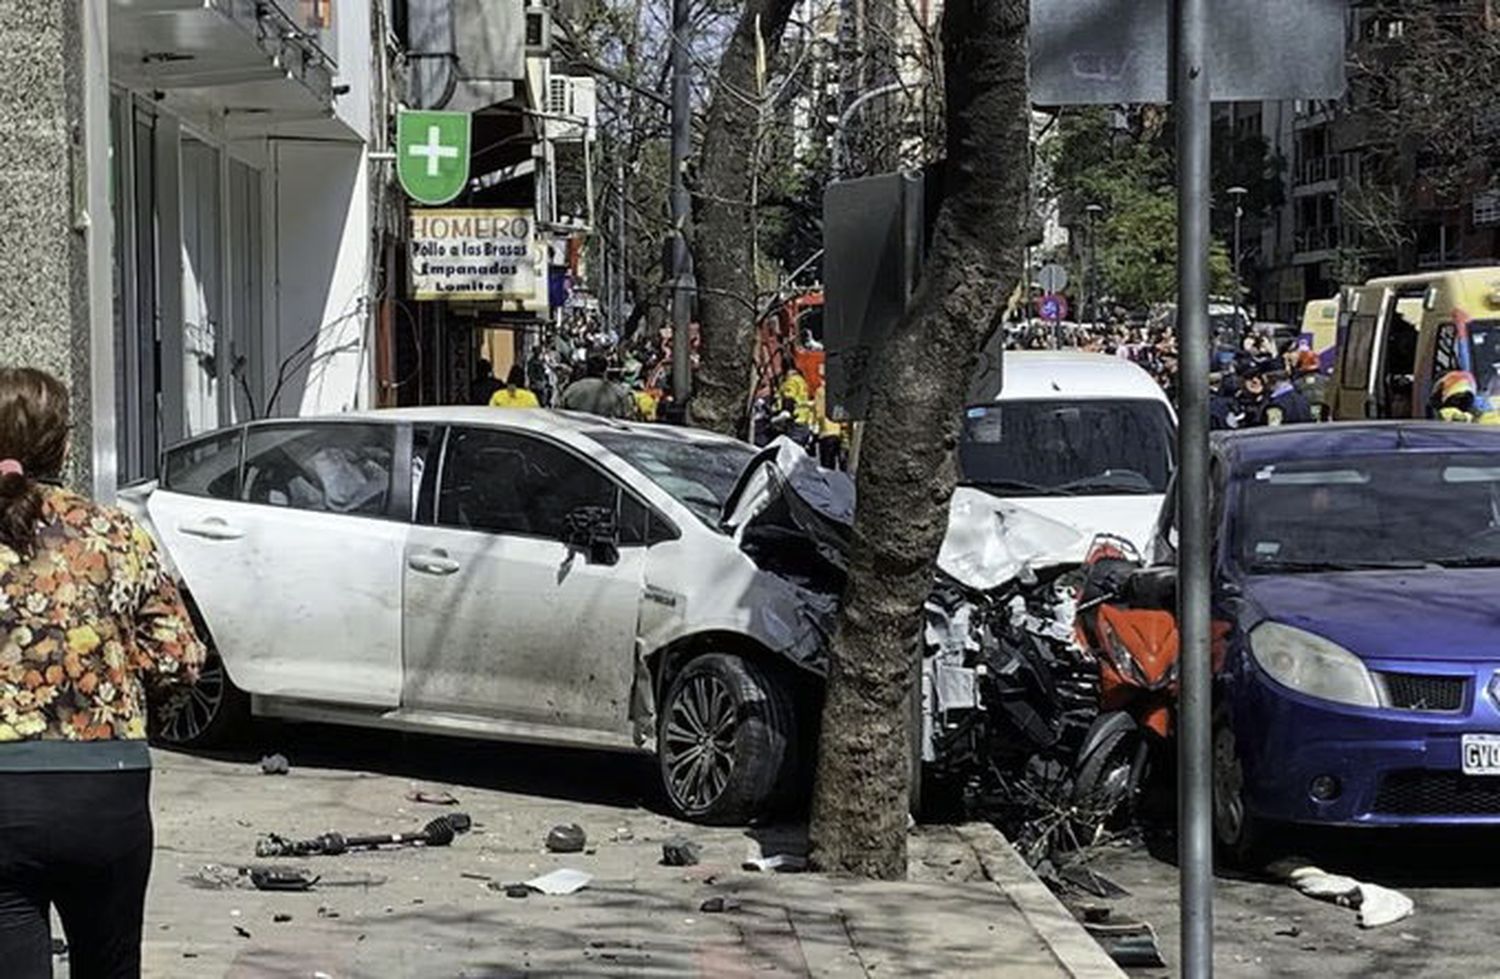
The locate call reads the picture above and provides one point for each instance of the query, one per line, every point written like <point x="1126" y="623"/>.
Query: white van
<point x="1075" y="442"/>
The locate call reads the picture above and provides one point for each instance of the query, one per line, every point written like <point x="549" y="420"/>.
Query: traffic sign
<point x="1052" y="278"/>
<point x="1052" y="308"/>
<point x="432" y="155"/>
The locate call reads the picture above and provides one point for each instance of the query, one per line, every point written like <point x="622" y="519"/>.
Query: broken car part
<point x="439" y="832"/>
<point x="567" y="838"/>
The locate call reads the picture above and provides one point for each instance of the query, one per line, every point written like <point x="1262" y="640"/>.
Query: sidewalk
<point x="971" y="908"/>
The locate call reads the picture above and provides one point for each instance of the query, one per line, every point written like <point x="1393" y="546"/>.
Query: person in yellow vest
<point x="645" y="404"/>
<point x="796" y="397"/>
<point x="830" y="433"/>
<point x="514" y="394"/>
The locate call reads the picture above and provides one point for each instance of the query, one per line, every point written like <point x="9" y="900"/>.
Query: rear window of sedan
<point x="696" y="473"/>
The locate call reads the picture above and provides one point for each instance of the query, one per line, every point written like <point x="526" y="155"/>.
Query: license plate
<point x="1481" y="754"/>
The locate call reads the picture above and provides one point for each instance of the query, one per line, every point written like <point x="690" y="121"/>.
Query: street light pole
<point x="1091" y="277"/>
<point x="1193" y="110"/>
<point x="682" y="363"/>
<point x="1238" y="193"/>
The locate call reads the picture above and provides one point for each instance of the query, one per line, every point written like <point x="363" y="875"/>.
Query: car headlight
<point x="1312" y="665"/>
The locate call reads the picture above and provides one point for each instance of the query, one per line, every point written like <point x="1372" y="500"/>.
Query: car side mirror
<point x="1152" y="588"/>
<point x="594" y="531"/>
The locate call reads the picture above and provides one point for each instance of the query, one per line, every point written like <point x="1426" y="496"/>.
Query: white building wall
<point x="321" y="304"/>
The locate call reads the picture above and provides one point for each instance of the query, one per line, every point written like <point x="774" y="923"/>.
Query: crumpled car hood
<point x="991" y="541"/>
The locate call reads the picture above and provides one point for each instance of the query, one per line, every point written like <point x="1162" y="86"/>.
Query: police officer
<point x="1286" y="405"/>
<point x="1251" y="399"/>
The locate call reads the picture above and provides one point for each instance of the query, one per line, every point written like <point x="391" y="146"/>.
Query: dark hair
<point x="484" y="368"/>
<point x="517" y="376"/>
<point x="34" y="433"/>
<point x="597" y="365"/>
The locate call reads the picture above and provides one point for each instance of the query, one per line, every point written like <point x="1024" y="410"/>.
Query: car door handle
<point x="432" y="563"/>
<point x="211" y="528"/>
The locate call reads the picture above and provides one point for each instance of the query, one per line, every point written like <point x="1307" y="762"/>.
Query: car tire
<point x="727" y="740"/>
<point x="212" y="713"/>
<point x="1240" y="837"/>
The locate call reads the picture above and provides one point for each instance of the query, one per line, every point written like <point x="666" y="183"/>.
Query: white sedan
<point x="515" y="575"/>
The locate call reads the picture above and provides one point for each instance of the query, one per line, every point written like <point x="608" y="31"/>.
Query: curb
<point x="1067" y="940"/>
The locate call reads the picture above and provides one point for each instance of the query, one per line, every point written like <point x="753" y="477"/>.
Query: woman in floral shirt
<point x="87" y="619"/>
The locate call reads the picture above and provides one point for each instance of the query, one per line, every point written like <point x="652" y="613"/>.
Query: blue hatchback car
<point x="1357" y="597"/>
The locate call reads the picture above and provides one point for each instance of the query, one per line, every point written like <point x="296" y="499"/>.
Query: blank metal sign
<point x="1109" y="52"/>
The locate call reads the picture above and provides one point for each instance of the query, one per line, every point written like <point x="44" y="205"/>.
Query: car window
<point x="1357" y="350"/>
<point x="1044" y="447"/>
<point x="334" y="467"/>
<point x="699" y="475"/>
<point x="207" y="467"/>
<point x="507" y="483"/>
<point x="1369" y="512"/>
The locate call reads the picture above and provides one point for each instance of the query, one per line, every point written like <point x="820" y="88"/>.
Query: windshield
<point x="1401" y="510"/>
<point x="1067" y="448"/>
<point x="699" y="475"/>
<point x="1484" y="342"/>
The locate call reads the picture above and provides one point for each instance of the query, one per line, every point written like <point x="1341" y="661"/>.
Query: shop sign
<point x="432" y="154"/>
<point x="485" y="255"/>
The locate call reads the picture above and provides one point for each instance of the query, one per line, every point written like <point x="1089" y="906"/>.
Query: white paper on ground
<point x="1376" y="905"/>
<point x="564" y="880"/>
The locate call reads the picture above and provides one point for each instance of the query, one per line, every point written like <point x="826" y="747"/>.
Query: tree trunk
<point x="723" y="249"/>
<point x="906" y="471"/>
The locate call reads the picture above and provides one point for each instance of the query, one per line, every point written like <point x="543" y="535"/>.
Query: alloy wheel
<point x="186" y="711"/>
<point x="698" y="749"/>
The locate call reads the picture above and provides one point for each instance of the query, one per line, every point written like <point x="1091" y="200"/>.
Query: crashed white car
<point x="516" y="575"/>
<point x="1076" y="444"/>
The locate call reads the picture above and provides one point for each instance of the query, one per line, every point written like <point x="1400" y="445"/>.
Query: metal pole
<point x="682" y="381"/>
<point x="1091" y="300"/>
<point x="1239" y="212"/>
<point x="1195" y="787"/>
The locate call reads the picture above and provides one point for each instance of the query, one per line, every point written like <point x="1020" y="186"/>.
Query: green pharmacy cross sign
<point x="432" y="155"/>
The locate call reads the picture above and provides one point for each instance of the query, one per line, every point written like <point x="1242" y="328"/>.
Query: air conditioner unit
<point x="572" y="104"/>
<point x="538" y="32"/>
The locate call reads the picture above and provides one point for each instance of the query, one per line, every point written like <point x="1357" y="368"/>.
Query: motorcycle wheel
<point x="1108" y="785"/>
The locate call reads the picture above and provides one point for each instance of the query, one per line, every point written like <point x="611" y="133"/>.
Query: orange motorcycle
<point x="1122" y="624"/>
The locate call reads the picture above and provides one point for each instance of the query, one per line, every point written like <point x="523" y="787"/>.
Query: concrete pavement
<point x="969" y="908"/>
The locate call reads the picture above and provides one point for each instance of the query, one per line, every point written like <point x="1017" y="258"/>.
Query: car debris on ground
<point x="1376" y="905"/>
<point x="560" y="882"/>
<point x="680" y="852"/>
<point x="567" y="838"/>
<point x="432" y="797"/>
<point x="437" y="833"/>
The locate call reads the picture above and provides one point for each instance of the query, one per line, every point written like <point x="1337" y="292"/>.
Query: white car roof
<point x="1054" y="374"/>
<point x="541" y="420"/>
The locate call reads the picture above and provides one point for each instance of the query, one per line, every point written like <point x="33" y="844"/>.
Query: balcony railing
<point x="315" y="19"/>
<point x="1320" y="168"/>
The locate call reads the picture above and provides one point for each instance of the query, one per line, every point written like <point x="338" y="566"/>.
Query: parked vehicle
<point x="1357" y="677"/>
<point x="1085" y="440"/>
<point x="1126" y="629"/>
<point x="1320" y="331"/>
<point x="521" y="575"/>
<point x="1404" y="333"/>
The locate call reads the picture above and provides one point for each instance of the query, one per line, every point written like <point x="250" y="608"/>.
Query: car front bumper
<point x="1393" y="767"/>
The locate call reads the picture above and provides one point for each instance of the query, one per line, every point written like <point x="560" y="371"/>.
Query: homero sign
<point x="432" y="154"/>
<point x="481" y="255"/>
